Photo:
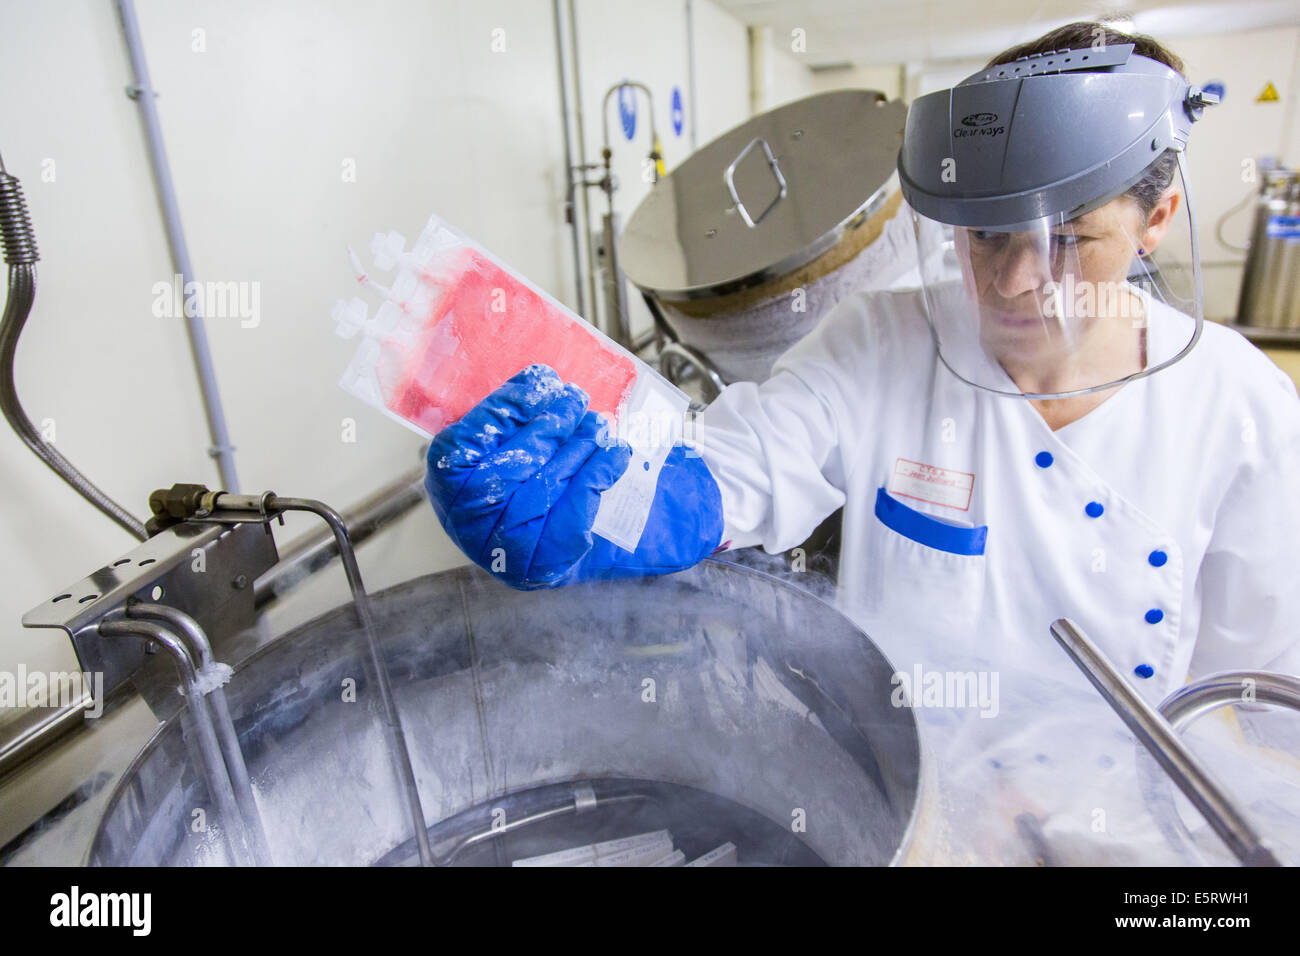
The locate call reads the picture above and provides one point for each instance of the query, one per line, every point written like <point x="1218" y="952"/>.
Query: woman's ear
<point x="1160" y="219"/>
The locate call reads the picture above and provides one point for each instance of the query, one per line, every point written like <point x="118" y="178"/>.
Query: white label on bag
<point x="651" y="423"/>
<point x="938" y="486"/>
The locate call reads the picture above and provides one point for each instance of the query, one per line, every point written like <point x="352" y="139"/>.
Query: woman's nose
<point x="1022" y="267"/>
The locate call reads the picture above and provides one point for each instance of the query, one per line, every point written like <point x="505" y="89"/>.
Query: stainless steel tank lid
<point x="765" y="197"/>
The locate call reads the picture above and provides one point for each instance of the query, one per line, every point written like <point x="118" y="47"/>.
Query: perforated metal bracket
<point x="205" y="570"/>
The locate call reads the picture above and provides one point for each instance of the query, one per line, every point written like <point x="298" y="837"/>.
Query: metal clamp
<point x="729" y="177"/>
<point x="1198" y="99"/>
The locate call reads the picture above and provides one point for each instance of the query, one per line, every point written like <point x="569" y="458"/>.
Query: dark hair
<point x="1146" y="192"/>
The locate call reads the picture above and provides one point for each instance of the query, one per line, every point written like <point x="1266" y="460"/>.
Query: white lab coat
<point x="1200" y="462"/>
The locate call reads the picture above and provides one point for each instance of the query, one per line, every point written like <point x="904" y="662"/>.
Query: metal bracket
<point x="196" y="568"/>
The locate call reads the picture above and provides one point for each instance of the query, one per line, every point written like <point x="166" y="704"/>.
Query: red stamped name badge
<point x="939" y="486"/>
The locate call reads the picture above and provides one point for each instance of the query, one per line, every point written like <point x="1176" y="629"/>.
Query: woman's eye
<point x="1066" y="241"/>
<point x="983" y="235"/>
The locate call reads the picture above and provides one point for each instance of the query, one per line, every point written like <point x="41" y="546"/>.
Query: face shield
<point x="1053" y="219"/>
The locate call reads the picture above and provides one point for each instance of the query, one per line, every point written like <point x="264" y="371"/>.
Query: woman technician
<point x="1001" y="444"/>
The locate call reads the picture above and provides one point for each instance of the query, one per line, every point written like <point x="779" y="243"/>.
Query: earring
<point x="1142" y="252"/>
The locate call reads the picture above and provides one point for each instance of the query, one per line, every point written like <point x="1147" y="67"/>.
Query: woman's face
<point x="1044" y="293"/>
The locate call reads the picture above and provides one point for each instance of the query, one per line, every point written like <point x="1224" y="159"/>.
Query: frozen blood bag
<point x="456" y="324"/>
<point x="484" y="327"/>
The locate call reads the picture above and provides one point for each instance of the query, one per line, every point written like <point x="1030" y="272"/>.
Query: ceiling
<point x="877" y="32"/>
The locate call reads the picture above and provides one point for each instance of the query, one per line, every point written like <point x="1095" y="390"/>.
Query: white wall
<point x="1238" y="130"/>
<point x="259" y="125"/>
<point x="887" y="79"/>
<point x="789" y="77"/>
<point x="721" y="68"/>
<point x="623" y="39"/>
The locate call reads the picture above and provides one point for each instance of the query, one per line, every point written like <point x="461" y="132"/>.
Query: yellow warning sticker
<point x="1269" y="95"/>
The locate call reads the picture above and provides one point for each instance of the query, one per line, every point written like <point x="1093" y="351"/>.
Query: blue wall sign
<point x="627" y="109"/>
<point x="679" y="114"/>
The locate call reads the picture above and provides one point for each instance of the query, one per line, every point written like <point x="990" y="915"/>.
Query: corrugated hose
<point x="18" y="243"/>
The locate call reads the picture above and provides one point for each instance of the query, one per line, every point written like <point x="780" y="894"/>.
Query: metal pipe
<point x="620" y="329"/>
<point x="643" y="341"/>
<point x="229" y="507"/>
<point x="143" y="94"/>
<point x="198" y="645"/>
<point x="570" y="213"/>
<point x="392" y="719"/>
<point x="18" y="240"/>
<point x="619" y="321"/>
<point x="604" y="117"/>
<point x="1209" y="693"/>
<point x="690" y="70"/>
<point x="37" y="728"/>
<point x="1154" y="733"/>
<point x="313" y="551"/>
<point x="676" y="353"/>
<point x="760" y="67"/>
<point x="208" y="751"/>
<point x="582" y="152"/>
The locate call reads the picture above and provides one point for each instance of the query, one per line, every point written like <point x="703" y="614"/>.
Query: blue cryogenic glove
<point x="517" y="481"/>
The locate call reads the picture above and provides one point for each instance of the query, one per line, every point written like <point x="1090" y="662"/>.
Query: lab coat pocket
<point x="924" y="574"/>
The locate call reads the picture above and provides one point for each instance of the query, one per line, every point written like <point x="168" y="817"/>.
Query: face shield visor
<point x="1053" y="220"/>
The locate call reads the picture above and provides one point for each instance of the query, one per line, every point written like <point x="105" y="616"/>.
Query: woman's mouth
<point x="1012" y="320"/>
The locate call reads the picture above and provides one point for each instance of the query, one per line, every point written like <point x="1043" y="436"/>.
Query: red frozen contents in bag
<point x="484" y="326"/>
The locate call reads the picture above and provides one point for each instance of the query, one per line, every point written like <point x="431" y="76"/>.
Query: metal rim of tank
<point x="279" y="643"/>
<point x="1183" y="707"/>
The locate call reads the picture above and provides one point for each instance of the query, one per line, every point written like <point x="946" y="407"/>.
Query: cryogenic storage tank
<point x="720" y="704"/>
<point x="1270" y="284"/>
<point x="746" y="244"/>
